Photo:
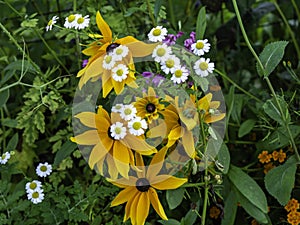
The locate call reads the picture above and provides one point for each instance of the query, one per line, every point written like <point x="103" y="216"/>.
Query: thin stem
<point x="296" y="9"/>
<point x="237" y="86"/>
<point x="151" y="13"/>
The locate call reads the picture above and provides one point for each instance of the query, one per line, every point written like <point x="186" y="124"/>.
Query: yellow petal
<point x="106" y="87"/>
<point x="104" y="28"/>
<point x="87" y="118"/>
<point x="165" y="182"/>
<point x="204" y="102"/>
<point x="156" y="164"/>
<point x="214" y="104"/>
<point x="100" y="165"/>
<point x="123" y="182"/>
<point x="139" y="48"/>
<point x="213" y="118"/>
<point x="94" y="69"/>
<point x="102" y="113"/>
<point x="89" y="137"/>
<point x="112" y="169"/>
<point x="156" y="203"/>
<point x="124" y="195"/>
<point x="138" y="144"/>
<point x="188" y="143"/>
<point x="128" y="207"/>
<point x="143" y="206"/>
<point x="159" y="130"/>
<point x="118" y="86"/>
<point x="133" y="209"/>
<point x="121" y="158"/>
<point x="174" y="135"/>
<point x="97" y="153"/>
<point x="140" y="166"/>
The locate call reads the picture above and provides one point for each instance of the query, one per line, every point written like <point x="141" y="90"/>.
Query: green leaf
<point x="9" y="122"/>
<point x="157" y="6"/>
<point x="64" y="152"/>
<point x="230" y="208"/>
<point x="280" y="180"/>
<point x="169" y="222"/>
<point x="270" y="57"/>
<point x="4" y="95"/>
<point x="246" y="127"/>
<point x="201" y="24"/>
<point x="21" y="65"/>
<point x="13" y="142"/>
<point x="174" y="197"/>
<point x="272" y="110"/>
<point x="191" y="216"/>
<point x="224" y="158"/>
<point x="248" y="188"/>
<point x="39" y="121"/>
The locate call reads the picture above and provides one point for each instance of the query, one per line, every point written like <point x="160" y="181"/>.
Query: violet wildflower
<point x="171" y="38"/>
<point x="188" y="42"/>
<point x="84" y="62"/>
<point x="156" y="79"/>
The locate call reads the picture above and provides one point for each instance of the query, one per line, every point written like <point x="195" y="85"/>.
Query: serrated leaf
<point x="272" y="110"/>
<point x="4" y="95"/>
<point x="246" y="127"/>
<point x="201" y="24"/>
<point x="280" y="180"/>
<point x="248" y="188"/>
<point x="224" y="158"/>
<point x="270" y="57"/>
<point x="39" y="121"/>
<point x="174" y="197"/>
<point x="13" y="142"/>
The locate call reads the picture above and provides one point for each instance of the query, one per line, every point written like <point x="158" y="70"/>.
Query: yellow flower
<point x="268" y="167"/>
<point x="264" y="157"/>
<point x="115" y="152"/>
<point x="281" y="156"/>
<point x="294" y="218"/>
<point x="275" y="155"/>
<point x="140" y="190"/>
<point x="97" y="51"/>
<point x="292" y="205"/>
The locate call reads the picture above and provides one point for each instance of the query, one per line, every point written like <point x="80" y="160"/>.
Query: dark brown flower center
<point x="109" y="134"/>
<point x="142" y="184"/>
<point x="111" y="47"/>
<point x="150" y="108"/>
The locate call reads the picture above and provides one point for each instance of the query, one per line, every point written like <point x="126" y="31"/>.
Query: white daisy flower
<point x="108" y="62"/>
<point x="120" y="52"/>
<point x="4" y="158"/>
<point x="43" y="169"/>
<point x="203" y="67"/>
<point x="117" y="108"/>
<point x="70" y="21"/>
<point x="33" y="186"/>
<point x="128" y="112"/>
<point x="120" y="72"/>
<point x="170" y="63"/>
<point x="180" y="74"/>
<point x="81" y="22"/>
<point x="36" y="196"/>
<point x="118" y="131"/>
<point x="200" y="47"/>
<point x="51" y="23"/>
<point x="157" y="34"/>
<point x="137" y="126"/>
<point x="161" y="52"/>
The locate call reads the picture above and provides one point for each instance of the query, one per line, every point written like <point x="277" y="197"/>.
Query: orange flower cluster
<point x="214" y="212"/>
<point x="265" y="158"/>
<point x="293" y="217"/>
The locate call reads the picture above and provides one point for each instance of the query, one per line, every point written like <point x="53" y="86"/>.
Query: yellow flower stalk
<point x="116" y="153"/>
<point x="140" y="190"/>
<point x="100" y="48"/>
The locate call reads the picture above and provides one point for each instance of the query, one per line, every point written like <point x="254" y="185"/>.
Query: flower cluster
<point x="76" y="21"/>
<point x="265" y="158"/>
<point x="34" y="188"/>
<point x="293" y="216"/>
<point x="5" y="157"/>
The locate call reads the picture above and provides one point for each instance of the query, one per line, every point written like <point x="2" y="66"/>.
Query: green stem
<point x="296" y="9"/>
<point x="151" y="13"/>
<point x="288" y="28"/>
<point x="193" y="185"/>
<point x="237" y="86"/>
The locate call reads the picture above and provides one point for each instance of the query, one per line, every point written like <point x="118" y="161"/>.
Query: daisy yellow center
<point x="35" y="195"/>
<point x="142" y="184"/>
<point x="200" y="45"/>
<point x="32" y="185"/>
<point x="178" y="73"/>
<point x="108" y="59"/>
<point x="50" y="22"/>
<point x="161" y="52"/>
<point x="150" y="108"/>
<point x="137" y="125"/>
<point x="127" y="111"/>
<point x="118" y="130"/>
<point x="71" y="18"/>
<point x="203" y="66"/>
<point x="80" y="20"/>
<point x="119" y="72"/>
<point x="43" y="168"/>
<point x="119" y="51"/>
<point x="156" y="32"/>
<point x="170" y="63"/>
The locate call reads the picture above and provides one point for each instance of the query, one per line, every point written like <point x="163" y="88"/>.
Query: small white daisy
<point x="200" y="47"/>
<point x="70" y="21"/>
<point x="117" y="108"/>
<point x="118" y="131"/>
<point x="81" y="22"/>
<point x="170" y="63"/>
<point x="51" y="23"/>
<point x="4" y="158"/>
<point x="120" y="52"/>
<point x="43" y="169"/>
<point x="137" y="126"/>
<point x="108" y="62"/>
<point x="161" y="52"/>
<point x="128" y="112"/>
<point x="120" y="72"/>
<point x="36" y="196"/>
<point x="203" y="67"/>
<point x="180" y="74"/>
<point x="33" y="186"/>
<point x="157" y="34"/>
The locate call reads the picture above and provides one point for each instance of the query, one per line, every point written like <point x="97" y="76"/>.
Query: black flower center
<point x="150" y="108"/>
<point x="111" y="47"/>
<point x="109" y="134"/>
<point x="142" y="184"/>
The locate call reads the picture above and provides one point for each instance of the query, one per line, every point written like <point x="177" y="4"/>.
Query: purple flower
<point x="188" y="42"/>
<point x="156" y="79"/>
<point x="84" y="62"/>
<point x="171" y="38"/>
